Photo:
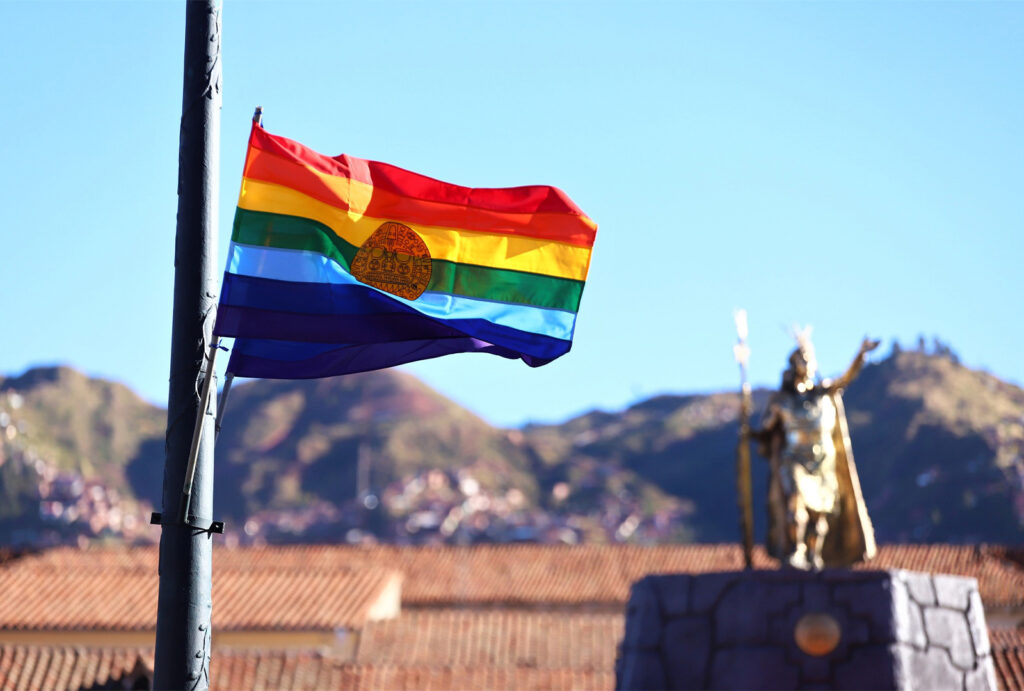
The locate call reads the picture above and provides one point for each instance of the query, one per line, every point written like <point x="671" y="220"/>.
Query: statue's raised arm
<point x="866" y="346"/>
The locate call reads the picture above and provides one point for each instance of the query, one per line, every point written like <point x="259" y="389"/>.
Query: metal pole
<point x="183" y="614"/>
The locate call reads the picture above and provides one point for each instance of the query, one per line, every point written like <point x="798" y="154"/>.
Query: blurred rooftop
<point x="375" y="617"/>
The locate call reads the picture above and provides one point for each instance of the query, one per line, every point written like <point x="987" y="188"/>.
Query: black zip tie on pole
<point x="197" y="522"/>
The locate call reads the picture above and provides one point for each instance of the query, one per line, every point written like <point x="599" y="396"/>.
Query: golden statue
<point x="816" y="513"/>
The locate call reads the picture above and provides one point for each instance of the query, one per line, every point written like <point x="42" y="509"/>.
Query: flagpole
<point x="184" y="605"/>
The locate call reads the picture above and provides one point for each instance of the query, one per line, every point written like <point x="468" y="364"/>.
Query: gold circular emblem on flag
<point x="394" y="259"/>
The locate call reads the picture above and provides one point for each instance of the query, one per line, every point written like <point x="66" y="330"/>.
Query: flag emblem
<point x="394" y="259"/>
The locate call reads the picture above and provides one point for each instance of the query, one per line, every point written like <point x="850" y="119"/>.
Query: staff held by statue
<point x="743" y="483"/>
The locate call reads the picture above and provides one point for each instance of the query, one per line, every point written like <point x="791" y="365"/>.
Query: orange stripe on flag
<point x="532" y="199"/>
<point x="350" y="194"/>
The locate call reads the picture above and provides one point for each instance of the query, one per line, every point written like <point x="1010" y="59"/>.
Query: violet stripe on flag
<point x="271" y="359"/>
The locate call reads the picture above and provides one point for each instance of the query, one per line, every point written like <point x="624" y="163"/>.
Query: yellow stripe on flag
<point x="496" y="250"/>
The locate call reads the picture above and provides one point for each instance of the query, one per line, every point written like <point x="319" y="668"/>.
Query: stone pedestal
<point x="750" y="630"/>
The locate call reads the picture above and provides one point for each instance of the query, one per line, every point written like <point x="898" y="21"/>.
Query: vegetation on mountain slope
<point x="939" y="447"/>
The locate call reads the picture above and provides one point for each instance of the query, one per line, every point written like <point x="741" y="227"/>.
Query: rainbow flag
<point x="341" y="265"/>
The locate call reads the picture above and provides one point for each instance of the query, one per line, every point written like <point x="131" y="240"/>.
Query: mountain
<point x="381" y="456"/>
<point x="66" y="441"/>
<point x="939" y="449"/>
<point x="82" y="423"/>
<point x="289" y="441"/>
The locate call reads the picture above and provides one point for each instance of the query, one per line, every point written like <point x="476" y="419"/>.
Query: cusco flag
<point x="340" y="265"/>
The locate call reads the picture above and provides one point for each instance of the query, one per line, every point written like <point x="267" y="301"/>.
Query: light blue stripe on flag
<point x="302" y="266"/>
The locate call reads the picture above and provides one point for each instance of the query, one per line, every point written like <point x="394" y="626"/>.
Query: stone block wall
<point x="736" y="630"/>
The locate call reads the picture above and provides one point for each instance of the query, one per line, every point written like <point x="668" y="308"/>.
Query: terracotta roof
<point x="367" y="677"/>
<point x="232" y="670"/>
<point x="494" y="638"/>
<point x="999" y="570"/>
<point x="59" y="668"/>
<point x="1008" y="652"/>
<point x="602" y="574"/>
<point x="1006" y="638"/>
<point x="56" y="667"/>
<point x="306" y="586"/>
<point x="64" y="668"/>
<point x="116" y="589"/>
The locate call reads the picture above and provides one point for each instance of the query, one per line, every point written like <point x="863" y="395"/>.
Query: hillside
<point x="939" y="448"/>
<point x="66" y="441"/>
<point x="381" y="456"/>
<point x="291" y="446"/>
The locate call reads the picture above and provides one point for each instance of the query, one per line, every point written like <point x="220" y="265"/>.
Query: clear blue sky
<point x="856" y="166"/>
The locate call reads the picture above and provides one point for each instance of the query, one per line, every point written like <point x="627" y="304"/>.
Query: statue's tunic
<point x="808" y="458"/>
<point x="812" y="458"/>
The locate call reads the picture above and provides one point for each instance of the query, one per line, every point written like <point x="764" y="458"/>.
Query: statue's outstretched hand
<point x="867" y="345"/>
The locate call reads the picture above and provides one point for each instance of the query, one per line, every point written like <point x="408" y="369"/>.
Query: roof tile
<point x="116" y="589"/>
<point x="499" y="637"/>
<point x="1008" y="654"/>
<point x="230" y="670"/>
<point x="60" y="668"/>
<point x="328" y="586"/>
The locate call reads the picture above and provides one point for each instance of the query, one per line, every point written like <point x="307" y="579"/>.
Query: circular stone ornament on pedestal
<point x="817" y="633"/>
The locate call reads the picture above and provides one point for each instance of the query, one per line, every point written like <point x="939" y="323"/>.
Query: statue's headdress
<point x="804" y="349"/>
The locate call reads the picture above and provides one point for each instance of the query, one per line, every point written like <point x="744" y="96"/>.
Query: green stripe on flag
<point x="264" y="229"/>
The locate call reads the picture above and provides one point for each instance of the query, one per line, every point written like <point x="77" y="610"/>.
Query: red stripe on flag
<point x="383" y="203"/>
<point x="530" y="199"/>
